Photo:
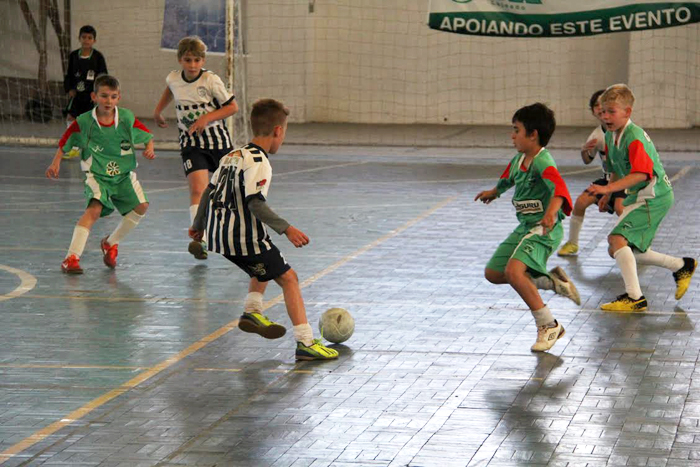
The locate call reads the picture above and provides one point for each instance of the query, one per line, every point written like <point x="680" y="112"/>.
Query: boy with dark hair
<point x="106" y="137"/>
<point x="541" y="201"/>
<point x="84" y="66"/>
<point x="233" y="213"/>
<point x="202" y="103"/>
<point x="595" y="144"/>
<point x="636" y="168"/>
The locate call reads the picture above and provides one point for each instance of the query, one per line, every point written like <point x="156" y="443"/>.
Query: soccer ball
<point x="336" y="325"/>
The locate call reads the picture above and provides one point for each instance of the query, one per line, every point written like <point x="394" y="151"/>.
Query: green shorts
<point x="123" y="194"/>
<point x="529" y="246"/>
<point x="639" y="221"/>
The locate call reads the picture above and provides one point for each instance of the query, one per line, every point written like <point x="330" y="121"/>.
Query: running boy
<point x="636" y="168"/>
<point x="233" y="213"/>
<point x="541" y="201"/>
<point x="202" y="102"/>
<point x="106" y="137"/>
<point x="84" y="66"/>
<point x="594" y="144"/>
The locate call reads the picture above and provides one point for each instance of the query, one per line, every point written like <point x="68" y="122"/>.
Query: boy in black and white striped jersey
<point x="202" y="102"/>
<point x="232" y="216"/>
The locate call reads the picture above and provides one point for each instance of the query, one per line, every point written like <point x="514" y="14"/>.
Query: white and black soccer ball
<point x="336" y="325"/>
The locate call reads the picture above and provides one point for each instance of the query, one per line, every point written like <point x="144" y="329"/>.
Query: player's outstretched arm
<point x="165" y="99"/>
<point x="588" y="151"/>
<point x="149" y="152"/>
<point x="219" y="114"/>
<point x="296" y="236"/>
<point x="550" y="214"/>
<point x="55" y="167"/>
<point x="487" y="196"/>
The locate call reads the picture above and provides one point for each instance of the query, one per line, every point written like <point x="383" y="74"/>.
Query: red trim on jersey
<point x="560" y="189"/>
<point x="506" y="173"/>
<point x="639" y="159"/>
<point x="73" y="128"/>
<point x="140" y="126"/>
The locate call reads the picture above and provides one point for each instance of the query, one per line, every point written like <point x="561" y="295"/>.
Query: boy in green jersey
<point x="636" y="168"/>
<point x="106" y="137"/>
<point x="541" y="201"/>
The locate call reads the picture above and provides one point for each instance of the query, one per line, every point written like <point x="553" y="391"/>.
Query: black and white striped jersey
<point x="231" y="227"/>
<point x="193" y="99"/>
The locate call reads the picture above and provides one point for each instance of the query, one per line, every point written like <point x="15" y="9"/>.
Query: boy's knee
<point x="494" y="277"/>
<point x="141" y="209"/>
<point x="615" y="242"/>
<point x="289" y="277"/>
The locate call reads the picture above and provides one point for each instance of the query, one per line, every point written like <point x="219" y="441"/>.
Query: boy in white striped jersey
<point x="233" y="213"/>
<point x="202" y="103"/>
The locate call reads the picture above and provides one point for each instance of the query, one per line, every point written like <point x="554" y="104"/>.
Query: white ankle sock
<point x="659" y="259"/>
<point x="193" y="212"/>
<point x="130" y="220"/>
<point x="253" y="302"/>
<point x="304" y="334"/>
<point x="542" y="316"/>
<point x="543" y="282"/>
<point x="628" y="268"/>
<point x="77" y="243"/>
<point x="575" y="224"/>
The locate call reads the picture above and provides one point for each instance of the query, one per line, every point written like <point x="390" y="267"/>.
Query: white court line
<point x="681" y="173"/>
<point x="27" y="283"/>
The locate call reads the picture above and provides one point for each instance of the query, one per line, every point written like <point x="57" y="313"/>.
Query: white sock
<point x="659" y="259"/>
<point x="193" y="212"/>
<point x="304" y="334"/>
<point x="628" y="267"/>
<point x="542" y="316"/>
<point x="543" y="282"/>
<point x="130" y="220"/>
<point x="253" y="302"/>
<point x="77" y="243"/>
<point x="575" y="225"/>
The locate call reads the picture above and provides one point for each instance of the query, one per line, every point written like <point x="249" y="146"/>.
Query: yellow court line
<point x="27" y="283"/>
<point x="47" y="431"/>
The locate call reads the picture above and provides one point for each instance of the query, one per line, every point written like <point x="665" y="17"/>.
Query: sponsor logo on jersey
<point x="202" y="91"/>
<point x="528" y="206"/>
<point x="125" y="147"/>
<point x="261" y="183"/>
<point x="112" y="169"/>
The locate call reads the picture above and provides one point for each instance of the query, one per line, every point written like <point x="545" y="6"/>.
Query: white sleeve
<point x="257" y="173"/>
<point x="219" y="91"/>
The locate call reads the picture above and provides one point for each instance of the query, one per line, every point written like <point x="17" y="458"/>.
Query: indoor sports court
<point x="394" y="130"/>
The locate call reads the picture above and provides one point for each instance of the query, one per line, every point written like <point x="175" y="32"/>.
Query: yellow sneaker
<point x="258" y="324"/>
<point x="316" y="351"/>
<point x="683" y="276"/>
<point x="625" y="303"/>
<point x="569" y="249"/>
<point x="74" y="152"/>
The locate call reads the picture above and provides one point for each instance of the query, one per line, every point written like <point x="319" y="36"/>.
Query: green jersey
<point x="107" y="151"/>
<point x="534" y="187"/>
<point x="635" y="153"/>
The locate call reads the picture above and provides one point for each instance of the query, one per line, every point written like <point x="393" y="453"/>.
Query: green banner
<point x="557" y="18"/>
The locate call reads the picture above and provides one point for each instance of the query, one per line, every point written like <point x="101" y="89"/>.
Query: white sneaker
<point x="563" y="285"/>
<point x="547" y="337"/>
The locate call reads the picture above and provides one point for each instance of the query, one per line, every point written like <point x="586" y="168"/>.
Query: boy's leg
<point x="548" y="329"/>
<point x="632" y="299"/>
<point x="682" y="268"/>
<point x="584" y="200"/>
<point x="252" y="320"/>
<point x="197" y="182"/>
<point x="81" y="232"/>
<point x="131" y="201"/>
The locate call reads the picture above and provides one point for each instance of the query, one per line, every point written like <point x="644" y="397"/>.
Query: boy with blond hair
<point x="541" y="201"/>
<point x="233" y="213"/>
<point x="636" y="168"/>
<point x="202" y="103"/>
<point x="106" y="137"/>
<point x="595" y="144"/>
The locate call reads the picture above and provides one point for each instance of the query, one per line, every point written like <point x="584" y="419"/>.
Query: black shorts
<point x="613" y="196"/>
<point x="194" y="158"/>
<point x="264" y="267"/>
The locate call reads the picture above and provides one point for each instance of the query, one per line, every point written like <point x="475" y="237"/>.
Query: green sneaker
<point x="256" y="323"/>
<point x="315" y="351"/>
<point x="198" y="249"/>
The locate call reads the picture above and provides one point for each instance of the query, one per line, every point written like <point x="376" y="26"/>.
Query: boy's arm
<point x="101" y="65"/>
<point x="55" y="167"/>
<point x="267" y="216"/>
<point x="68" y="79"/>
<point x="219" y="114"/>
<point x="642" y="169"/>
<point x="165" y="99"/>
<point x="504" y="183"/>
<point x="561" y="199"/>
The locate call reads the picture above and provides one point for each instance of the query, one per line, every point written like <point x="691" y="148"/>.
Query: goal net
<point x="341" y="62"/>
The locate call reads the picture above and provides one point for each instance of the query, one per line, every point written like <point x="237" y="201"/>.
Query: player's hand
<point x="54" y="168"/>
<point x="548" y="221"/>
<point x="487" y="196"/>
<point x="72" y="93"/>
<point x="296" y="236"/>
<point x="594" y="189"/>
<point x="199" y="125"/>
<point x="589" y="147"/>
<point x="196" y="235"/>
<point x="149" y="153"/>
<point x="160" y="121"/>
<point x="603" y="203"/>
